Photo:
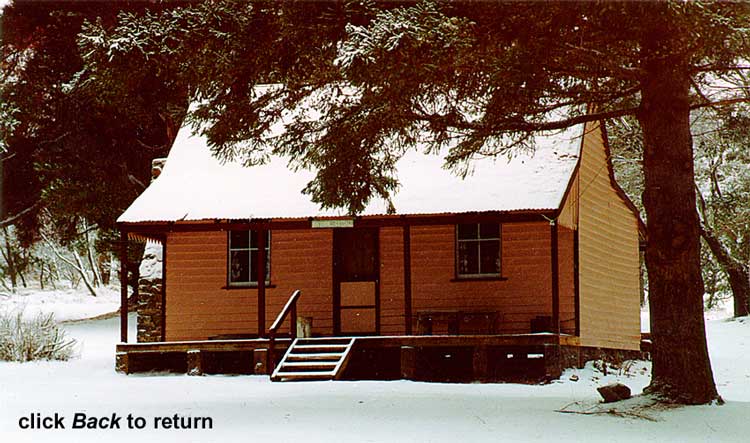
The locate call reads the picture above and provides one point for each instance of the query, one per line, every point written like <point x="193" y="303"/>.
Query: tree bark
<point x="681" y="366"/>
<point x="90" y="253"/>
<point x="737" y="273"/>
<point x="81" y="268"/>
<point x="9" y="259"/>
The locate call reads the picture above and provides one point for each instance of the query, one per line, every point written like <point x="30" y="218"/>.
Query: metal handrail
<point x="289" y="307"/>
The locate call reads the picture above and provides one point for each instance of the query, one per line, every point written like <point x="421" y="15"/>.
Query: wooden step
<point x="324" y="340"/>
<point x="335" y="356"/>
<point x="314" y="359"/>
<point x="300" y="349"/>
<point x="322" y="375"/>
<point x="309" y="365"/>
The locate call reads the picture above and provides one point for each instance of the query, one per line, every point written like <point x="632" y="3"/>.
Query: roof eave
<point x="155" y="227"/>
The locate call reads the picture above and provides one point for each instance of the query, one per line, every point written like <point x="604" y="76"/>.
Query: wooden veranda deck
<point x="455" y="357"/>
<point x="428" y="357"/>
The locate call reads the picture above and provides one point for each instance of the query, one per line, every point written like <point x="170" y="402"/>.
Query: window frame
<point x="250" y="283"/>
<point x="479" y="275"/>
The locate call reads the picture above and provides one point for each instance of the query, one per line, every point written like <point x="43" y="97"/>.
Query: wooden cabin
<point x="540" y="250"/>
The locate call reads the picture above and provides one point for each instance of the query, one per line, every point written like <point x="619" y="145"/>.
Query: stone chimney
<point x="157" y="165"/>
<point x="150" y="299"/>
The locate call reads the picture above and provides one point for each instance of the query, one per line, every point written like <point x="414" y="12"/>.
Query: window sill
<point x="246" y="286"/>
<point x="479" y="278"/>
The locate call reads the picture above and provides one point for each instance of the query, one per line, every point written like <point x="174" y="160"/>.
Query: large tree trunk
<point x="681" y="367"/>
<point x="737" y="273"/>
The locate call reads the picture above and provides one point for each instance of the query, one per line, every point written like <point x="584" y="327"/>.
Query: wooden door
<point x="356" y="282"/>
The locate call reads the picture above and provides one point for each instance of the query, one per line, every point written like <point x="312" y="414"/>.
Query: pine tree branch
<point x="451" y="120"/>
<point x="630" y="73"/>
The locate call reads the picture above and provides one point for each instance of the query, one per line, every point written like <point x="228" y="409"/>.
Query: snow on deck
<point x="195" y="185"/>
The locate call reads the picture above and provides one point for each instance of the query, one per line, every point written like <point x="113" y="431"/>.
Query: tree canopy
<point x="71" y="153"/>
<point x="467" y="76"/>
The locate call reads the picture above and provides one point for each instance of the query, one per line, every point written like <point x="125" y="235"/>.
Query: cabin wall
<point x="196" y="307"/>
<point x="526" y="263"/>
<point x="566" y="280"/>
<point x="199" y="307"/>
<point x="608" y="260"/>
<point x="569" y="214"/>
<point x="392" y="302"/>
<point x="302" y="259"/>
<point x="567" y="223"/>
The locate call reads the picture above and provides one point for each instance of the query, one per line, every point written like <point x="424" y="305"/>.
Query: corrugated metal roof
<point x="194" y="185"/>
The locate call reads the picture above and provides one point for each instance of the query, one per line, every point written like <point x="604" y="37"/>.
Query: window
<point x="243" y="257"/>
<point x="478" y="250"/>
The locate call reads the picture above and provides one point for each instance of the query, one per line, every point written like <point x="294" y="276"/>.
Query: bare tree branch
<point x="729" y="101"/>
<point x="135" y="181"/>
<point x="56" y="139"/>
<point x="12" y="219"/>
<point x="77" y="265"/>
<point x="6" y="158"/>
<point x="149" y="147"/>
<point x="698" y="91"/>
<point x="715" y="68"/>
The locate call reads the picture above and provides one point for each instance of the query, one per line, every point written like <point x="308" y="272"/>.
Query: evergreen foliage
<point x="73" y="154"/>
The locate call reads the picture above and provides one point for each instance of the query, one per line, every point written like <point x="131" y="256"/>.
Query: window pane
<point x="238" y="240"/>
<point x="466" y="231"/>
<point x="243" y="260"/>
<point x="254" y="265"/>
<point x="238" y="266"/>
<point x="489" y="230"/>
<point x="468" y="257"/>
<point x="489" y="257"/>
<point x="268" y="264"/>
<point x="254" y="239"/>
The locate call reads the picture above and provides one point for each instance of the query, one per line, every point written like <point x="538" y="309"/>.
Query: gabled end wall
<point x="609" y="263"/>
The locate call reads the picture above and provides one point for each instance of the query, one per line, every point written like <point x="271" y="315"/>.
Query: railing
<point x="289" y="307"/>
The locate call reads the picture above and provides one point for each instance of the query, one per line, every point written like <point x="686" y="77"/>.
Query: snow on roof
<point x="195" y="186"/>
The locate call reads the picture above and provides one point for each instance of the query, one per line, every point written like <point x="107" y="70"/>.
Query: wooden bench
<point x="457" y="322"/>
<point x="239" y="336"/>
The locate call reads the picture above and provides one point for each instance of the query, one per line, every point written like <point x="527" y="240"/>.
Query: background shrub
<point x="39" y="338"/>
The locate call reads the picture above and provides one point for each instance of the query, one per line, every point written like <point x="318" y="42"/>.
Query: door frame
<point x="337" y="280"/>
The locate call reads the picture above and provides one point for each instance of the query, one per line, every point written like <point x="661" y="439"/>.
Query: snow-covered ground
<point x="250" y="408"/>
<point x="65" y="304"/>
